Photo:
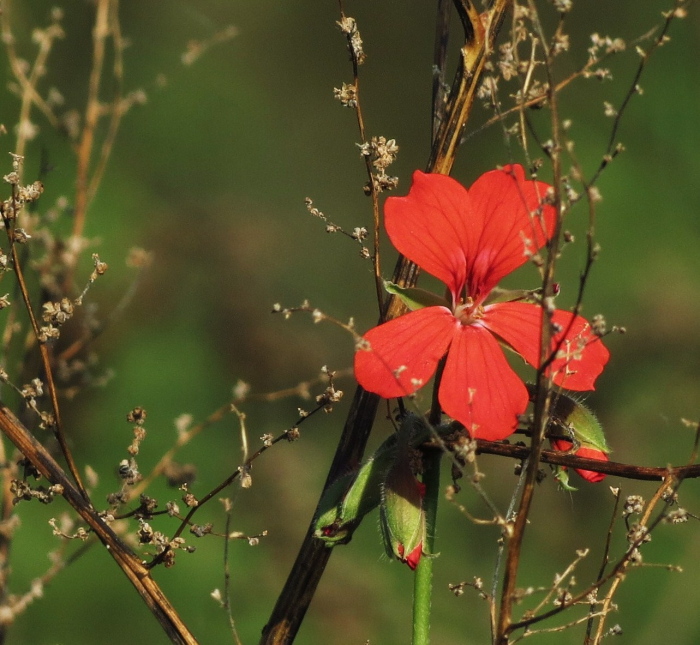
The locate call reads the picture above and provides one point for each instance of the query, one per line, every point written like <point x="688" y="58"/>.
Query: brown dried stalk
<point x="93" y="111"/>
<point x="627" y="471"/>
<point x="44" y="352"/>
<point x="132" y="566"/>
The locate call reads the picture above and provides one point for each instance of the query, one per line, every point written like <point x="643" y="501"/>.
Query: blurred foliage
<point x="211" y="175"/>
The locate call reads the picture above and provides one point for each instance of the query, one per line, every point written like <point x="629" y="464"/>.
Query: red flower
<point x="589" y="453"/>
<point x="470" y="240"/>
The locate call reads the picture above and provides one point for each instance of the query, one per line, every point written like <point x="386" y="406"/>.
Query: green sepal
<point x="352" y="496"/>
<point x="576" y="420"/>
<point x="327" y="526"/>
<point x="415" y="298"/>
<point x="533" y="296"/>
<point x="401" y="514"/>
<point x="562" y="476"/>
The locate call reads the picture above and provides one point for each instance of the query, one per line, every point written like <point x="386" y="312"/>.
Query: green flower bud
<point x="352" y="496"/>
<point x="401" y="515"/>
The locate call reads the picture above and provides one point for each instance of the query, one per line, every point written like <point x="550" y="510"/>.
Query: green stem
<point x="423" y="581"/>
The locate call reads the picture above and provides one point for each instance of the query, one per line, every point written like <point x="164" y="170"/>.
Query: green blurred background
<point x="211" y="175"/>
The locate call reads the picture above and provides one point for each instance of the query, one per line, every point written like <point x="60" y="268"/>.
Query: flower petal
<point x="479" y="388"/>
<point x="413" y="557"/>
<point x="398" y="357"/>
<point x="435" y="227"/>
<point x="588" y="453"/>
<point x="516" y="224"/>
<point x="581" y="356"/>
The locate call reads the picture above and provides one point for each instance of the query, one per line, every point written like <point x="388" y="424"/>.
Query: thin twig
<point x="592" y="613"/>
<point x="44" y="352"/>
<point x="130" y="564"/>
<point x="93" y="111"/>
<point x="542" y="395"/>
<point x="371" y="184"/>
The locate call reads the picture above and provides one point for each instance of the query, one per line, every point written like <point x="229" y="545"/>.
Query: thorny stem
<point x="308" y="568"/>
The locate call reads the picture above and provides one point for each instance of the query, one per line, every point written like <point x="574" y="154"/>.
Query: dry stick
<point x="128" y="562"/>
<point x="30" y="95"/>
<point x="605" y="560"/>
<point x="310" y="563"/>
<point x="117" y="109"/>
<point x="671" y="482"/>
<point x="93" y="112"/>
<point x="618" y="570"/>
<point x="634" y="87"/>
<point x="442" y="37"/>
<point x="6" y="536"/>
<point x="45" y="359"/>
<point x="627" y="471"/>
<point x="374" y="192"/>
<point x="542" y="394"/>
<point x="227" y="577"/>
<point x="542" y="401"/>
<point x="182" y="439"/>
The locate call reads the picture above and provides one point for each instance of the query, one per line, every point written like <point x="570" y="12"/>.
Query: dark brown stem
<point x="628" y="471"/>
<point x="299" y="589"/>
<point x="542" y="394"/>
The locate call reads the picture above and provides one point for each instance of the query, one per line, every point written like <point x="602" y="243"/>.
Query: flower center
<point x="467" y="312"/>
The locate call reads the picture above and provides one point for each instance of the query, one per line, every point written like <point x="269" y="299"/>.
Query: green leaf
<point x="415" y="298"/>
